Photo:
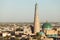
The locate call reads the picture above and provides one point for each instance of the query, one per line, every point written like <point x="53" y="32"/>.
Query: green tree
<point x="7" y="38"/>
<point x="38" y="36"/>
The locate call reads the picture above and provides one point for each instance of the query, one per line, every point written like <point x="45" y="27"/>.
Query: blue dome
<point x="41" y="33"/>
<point x="47" y="25"/>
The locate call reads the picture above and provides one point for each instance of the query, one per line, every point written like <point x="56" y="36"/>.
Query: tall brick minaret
<point x="36" y="20"/>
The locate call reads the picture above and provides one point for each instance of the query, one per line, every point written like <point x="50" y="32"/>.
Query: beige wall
<point x="51" y="32"/>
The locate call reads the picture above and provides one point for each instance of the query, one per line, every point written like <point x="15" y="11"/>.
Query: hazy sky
<point x="23" y="10"/>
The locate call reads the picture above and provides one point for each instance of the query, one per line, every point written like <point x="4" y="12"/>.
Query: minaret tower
<point x="36" y="20"/>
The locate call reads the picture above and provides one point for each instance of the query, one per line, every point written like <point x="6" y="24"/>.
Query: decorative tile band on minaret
<point x="36" y="20"/>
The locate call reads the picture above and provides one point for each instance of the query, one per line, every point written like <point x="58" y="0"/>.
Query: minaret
<point x="36" y="20"/>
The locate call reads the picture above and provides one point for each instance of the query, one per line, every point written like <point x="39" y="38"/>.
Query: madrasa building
<point x="46" y="31"/>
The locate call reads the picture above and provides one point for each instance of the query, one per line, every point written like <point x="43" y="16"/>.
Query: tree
<point x="38" y="36"/>
<point x="6" y="38"/>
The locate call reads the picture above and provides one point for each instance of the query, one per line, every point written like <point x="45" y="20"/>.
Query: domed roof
<point x="40" y="33"/>
<point x="46" y="25"/>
